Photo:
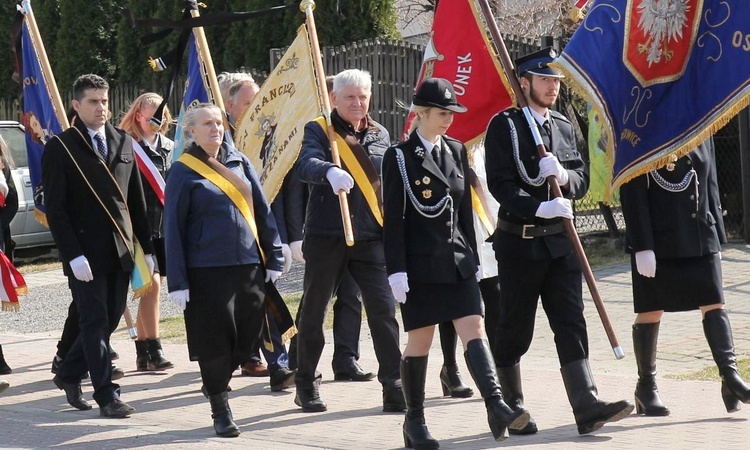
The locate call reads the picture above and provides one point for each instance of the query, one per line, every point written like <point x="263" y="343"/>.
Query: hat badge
<point x="447" y="94"/>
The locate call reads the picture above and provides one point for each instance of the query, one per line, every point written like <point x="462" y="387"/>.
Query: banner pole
<point x="200" y="38"/>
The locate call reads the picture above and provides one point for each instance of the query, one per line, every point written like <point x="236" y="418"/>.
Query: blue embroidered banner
<point x="195" y="92"/>
<point x="663" y="74"/>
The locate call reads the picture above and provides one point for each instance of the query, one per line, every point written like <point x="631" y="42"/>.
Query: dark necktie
<point x="100" y="147"/>
<point x="436" y="155"/>
<point x="547" y="136"/>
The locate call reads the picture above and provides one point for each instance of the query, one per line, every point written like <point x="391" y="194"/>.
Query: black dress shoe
<point x="56" y="361"/>
<point x="113" y="355"/>
<point x="352" y="372"/>
<point x="116" y="409"/>
<point x="282" y="379"/>
<point x="310" y="401"/>
<point x="393" y="400"/>
<point x="117" y="373"/>
<point x="73" y="394"/>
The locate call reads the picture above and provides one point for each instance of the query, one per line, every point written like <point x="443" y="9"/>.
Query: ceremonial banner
<point x="663" y="74"/>
<point x="38" y="116"/>
<point x="460" y="51"/>
<point x="196" y="91"/>
<point x="600" y="171"/>
<point x="270" y="131"/>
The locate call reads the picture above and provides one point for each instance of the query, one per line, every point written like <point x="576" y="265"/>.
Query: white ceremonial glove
<point x="81" y="269"/>
<point x="399" y="285"/>
<point x="719" y="256"/>
<point x="180" y="298"/>
<point x="150" y="263"/>
<point x="549" y="165"/>
<point x="478" y="275"/>
<point x="272" y="275"/>
<point x="645" y="262"/>
<point x="340" y="180"/>
<point x="3" y="184"/>
<point x="557" y="207"/>
<point x="297" y="254"/>
<point x="287" y="252"/>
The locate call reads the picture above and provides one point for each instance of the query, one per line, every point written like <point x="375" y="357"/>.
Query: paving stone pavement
<point x="172" y="413"/>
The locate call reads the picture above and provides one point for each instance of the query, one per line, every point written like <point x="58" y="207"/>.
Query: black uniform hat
<point x="536" y="63"/>
<point x="439" y="93"/>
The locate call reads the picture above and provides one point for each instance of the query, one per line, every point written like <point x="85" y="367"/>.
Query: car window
<point x="16" y="139"/>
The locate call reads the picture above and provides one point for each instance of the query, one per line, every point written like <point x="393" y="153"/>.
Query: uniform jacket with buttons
<point x="429" y="250"/>
<point x="676" y="224"/>
<point x="519" y="200"/>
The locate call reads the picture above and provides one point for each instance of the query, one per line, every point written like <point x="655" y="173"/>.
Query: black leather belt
<point x="530" y="231"/>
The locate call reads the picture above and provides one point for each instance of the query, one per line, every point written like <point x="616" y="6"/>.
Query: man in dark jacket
<point x="97" y="215"/>
<point x="362" y="143"/>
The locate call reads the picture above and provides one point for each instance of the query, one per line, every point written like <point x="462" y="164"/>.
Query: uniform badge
<point x="447" y="94"/>
<point x="427" y="193"/>
<point x="426" y="180"/>
<point x="419" y="151"/>
<point x="672" y="160"/>
<point x="417" y="183"/>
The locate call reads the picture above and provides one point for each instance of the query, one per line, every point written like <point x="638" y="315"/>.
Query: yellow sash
<point x="357" y="172"/>
<point x="481" y="212"/>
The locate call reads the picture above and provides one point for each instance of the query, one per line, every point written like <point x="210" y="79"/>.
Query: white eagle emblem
<point x="661" y="21"/>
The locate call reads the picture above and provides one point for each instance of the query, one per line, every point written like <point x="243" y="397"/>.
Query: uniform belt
<point x="530" y="231"/>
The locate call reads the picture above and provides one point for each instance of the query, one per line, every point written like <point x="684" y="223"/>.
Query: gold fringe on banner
<point x="40" y="217"/>
<point x="11" y="306"/>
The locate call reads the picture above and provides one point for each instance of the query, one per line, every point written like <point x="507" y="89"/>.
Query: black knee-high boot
<point x="482" y="368"/>
<point x="216" y="373"/>
<point x="450" y="379"/>
<point x="510" y="382"/>
<point x="223" y="421"/>
<point x="590" y="412"/>
<point x="413" y="375"/>
<point x="718" y="333"/>
<point x="647" y="400"/>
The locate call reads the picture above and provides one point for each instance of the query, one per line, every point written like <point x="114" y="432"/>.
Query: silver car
<point x="24" y="229"/>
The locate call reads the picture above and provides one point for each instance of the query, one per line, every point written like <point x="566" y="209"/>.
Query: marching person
<point x="675" y="229"/>
<point x="148" y="124"/>
<point x="222" y="247"/>
<point x="97" y="215"/>
<point x="431" y="258"/>
<point x="362" y="143"/>
<point x="8" y="210"/>
<point x="535" y="256"/>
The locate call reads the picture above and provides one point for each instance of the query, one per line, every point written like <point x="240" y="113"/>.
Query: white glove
<point x="150" y="263"/>
<point x="3" y="184"/>
<point x="340" y="180"/>
<point x="297" y="254"/>
<point x="287" y="252"/>
<point x="399" y="285"/>
<point x="81" y="269"/>
<point x="272" y="275"/>
<point x="557" y="207"/>
<point x="180" y="298"/>
<point x="478" y="275"/>
<point x="549" y="165"/>
<point x="645" y="262"/>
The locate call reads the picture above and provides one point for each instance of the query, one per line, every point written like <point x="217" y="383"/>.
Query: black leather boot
<point x="413" y="375"/>
<point x="452" y="383"/>
<point x="647" y="400"/>
<point x="309" y="398"/>
<point x="510" y="382"/>
<point x="590" y="412"/>
<point x="4" y="368"/>
<point x="141" y="356"/>
<point x="223" y="422"/>
<point x="156" y="359"/>
<point x="718" y="333"/>
<point x="482" y="368"/>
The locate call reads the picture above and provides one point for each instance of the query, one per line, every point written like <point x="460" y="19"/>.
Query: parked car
<point x="24" y="229"/>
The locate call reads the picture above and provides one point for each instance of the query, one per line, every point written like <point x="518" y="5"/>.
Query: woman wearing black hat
<point x="430" y="251"/>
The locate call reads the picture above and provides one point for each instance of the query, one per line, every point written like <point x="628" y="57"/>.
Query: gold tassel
<point x="40" y="217"/>
<point x="11" y="306"/>
<point x="22" y="290"/>
<point x="143" y="290"/>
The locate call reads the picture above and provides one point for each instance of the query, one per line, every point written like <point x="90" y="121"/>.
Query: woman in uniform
<point x="675" y="231"/>
<point x="430" y="251"/>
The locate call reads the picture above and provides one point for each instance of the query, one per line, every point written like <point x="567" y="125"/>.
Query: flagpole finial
<point x="304" y="4"/>
<point x="26" y="5"/>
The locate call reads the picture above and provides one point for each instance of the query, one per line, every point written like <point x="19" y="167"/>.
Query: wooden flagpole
<point x="307" y="6"/>
<point x="200" y="40"/>
<point x="507" y="65"/>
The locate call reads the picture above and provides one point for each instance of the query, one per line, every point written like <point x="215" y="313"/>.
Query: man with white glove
<point x="81" y="269"/>
<point x="549" y="165"/>
<point x="272" y="275"/>
<point x="297" y="254"/>
<point x="557" y="207"/>
<point x="399" y="286"/>
<point x="645" y="262"/>
<point x="339" y="179"/>
<point x="180" y="298"/>
<point x="286" y="250"/>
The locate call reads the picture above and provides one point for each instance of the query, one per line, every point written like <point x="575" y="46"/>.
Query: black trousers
<point x="326" y="260"/>
<point x="522" y="283"/>
<point x="347" y="322"/>
<point x="100" y="304"/>
<point x="490" y="289"/>
<point x="70" y="331"/>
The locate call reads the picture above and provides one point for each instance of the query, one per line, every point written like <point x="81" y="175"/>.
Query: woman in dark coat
<point x="431" y="257"/>
<point x="222" y="247"/>
<point x="675" y="231"/>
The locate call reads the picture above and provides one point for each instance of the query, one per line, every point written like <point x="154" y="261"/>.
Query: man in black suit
<point x="535" y="256"/>
<point x="97" y="215"/>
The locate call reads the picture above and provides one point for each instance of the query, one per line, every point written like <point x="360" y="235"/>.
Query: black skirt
<point x="225" y="313"/>
<point x="680" y="284"/>
<point x="434" y="303"/>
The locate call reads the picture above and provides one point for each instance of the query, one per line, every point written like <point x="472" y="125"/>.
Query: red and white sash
<point x="149" y="171"/>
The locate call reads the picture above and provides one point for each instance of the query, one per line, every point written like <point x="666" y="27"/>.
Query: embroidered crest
<point x="427" y="193"/>
<point x="426" y="180"/>
<point x="447" y="94"/>
<point x="419" y="151"/>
